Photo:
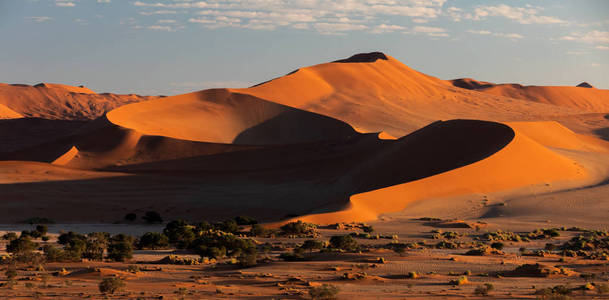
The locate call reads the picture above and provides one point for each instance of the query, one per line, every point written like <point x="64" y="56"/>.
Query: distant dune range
<point x="342" y="141"/>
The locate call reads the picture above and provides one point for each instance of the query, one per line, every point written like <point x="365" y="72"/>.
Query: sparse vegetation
<point x="111" y="285"/>
<point x="324" y="292"/>
<point x="299" y="229"/>
<point x="484" y="290"/>
<point x="153" y="240"/>
<point x="459" y="281"/>
<point x="343" y="242"/>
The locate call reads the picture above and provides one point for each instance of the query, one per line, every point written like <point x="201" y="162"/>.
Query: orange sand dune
<point x="587" y="99"/>
<point x="525" y="161"/>
<point x="7" y="113"/>
<point x="221" y="116"/>
<point x="58" y="101"/>
<point x="386" y="95"/>
<point x="27" y="171"/>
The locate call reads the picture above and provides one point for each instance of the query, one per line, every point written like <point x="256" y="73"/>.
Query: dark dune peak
<point x="585" y="85"/>
<point x="363" y="58"/>
<point x="470" y="84"/>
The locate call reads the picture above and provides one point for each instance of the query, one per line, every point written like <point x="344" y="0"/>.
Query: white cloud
<point x="64" y="3"/>
<point x="592" y="37"/>
<point x="523" y="15"/>
<point x="513" y="36"/>
<point x="103" y="1"/>
<point x="39" y="19"/>
<point x="383" y="28"/>
<point x="158" y="12"/>
<point x="166" y="21"/>
<point x="601" y="47"/>
<point x="483" y="32"/>
<point x="324" y="16"/>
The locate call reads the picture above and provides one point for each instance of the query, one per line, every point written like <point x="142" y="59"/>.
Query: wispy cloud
<point x="513" y="36"/>
<point x="524" y="15"/>
<point x="592" y="37"/>
<point x="39" y="19"/>
<point x="430" y="31"/>
<point x="158" y="12"/>
<point x="602" y="47"/>
<point x="64" y="3"/>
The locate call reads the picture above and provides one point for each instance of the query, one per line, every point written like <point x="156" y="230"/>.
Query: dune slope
<point x="58" y="101"/>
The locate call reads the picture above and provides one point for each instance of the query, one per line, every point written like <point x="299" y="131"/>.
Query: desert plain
<point x="355" y="179"/>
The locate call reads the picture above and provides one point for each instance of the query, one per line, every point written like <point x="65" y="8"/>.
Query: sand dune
<point x="386" y="95"/>
<point x="585" y="98"/>
<point x="221" y="116"/>
<point x="58" y="101"/>
<point x="523" y="162"/>
<point x="7" y="113"/>
<point x="341" y="141"/>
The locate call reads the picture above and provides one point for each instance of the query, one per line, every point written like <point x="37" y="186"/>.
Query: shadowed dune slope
<point x="375" y="93"/>
<point x="586" y="99"/>
<point x="522" y="162"/>
<point x="221" y="116"/>
<point x="58" y="101"/>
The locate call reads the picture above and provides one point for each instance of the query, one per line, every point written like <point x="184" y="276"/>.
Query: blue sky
<point x="176" y="46"/>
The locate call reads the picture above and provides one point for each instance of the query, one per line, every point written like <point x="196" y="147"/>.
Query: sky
<point x="167" y="47"/>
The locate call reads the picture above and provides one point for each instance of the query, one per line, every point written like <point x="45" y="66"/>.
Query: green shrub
<point x="483" y="290"/>
<point x="243" y="220"/>
<point x="260" y="231"/>
<point x="459" y="281"/>
<point x="214" y="243"/>
<point x="299" y="228"/>
<point x="368" y="228"/>
<point x="324" y="292"/>
<point x="247" y="258"/>
<point x="180" y="233"/>
<point x="120" y="248"/>
<point x="497" y="245"/>
<point x="343" y="242"/>
<point x="312" y="244"/>
<point x="21" y="245"/>
<point x="153" y="240"/>
<point x="111" y="285"/>
<point x="9" y="236"/>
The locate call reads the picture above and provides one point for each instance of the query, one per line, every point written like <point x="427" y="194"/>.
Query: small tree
<point x="21" y="245"/>
<point x="110" y="285"/>
<point x="120" y="247"/>
<point x="260" y="231"/>
<point x="312" y="244"/>
<point x="153" y="240"/>
<point x="152" y="217"/>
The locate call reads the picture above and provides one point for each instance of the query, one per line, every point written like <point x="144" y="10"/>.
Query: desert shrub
<point x="42" y="229"/>
<point x="500" y="235"/>
<point x="130" y="217"/>
<point x="244" y="220"/>
<point x="459" y="281"/>
<point x="152" y="217"/>
<point x="21" y="245"/>
<point x="260" y="231"/>
<point x="96" y="244"/>
<point x="449" y="235"/>
<point x="153" y="240"/>
<point x="299" y="228"/>
<point x="483" y="290"/>
<point x="9" y="236"/>
<point x="497" y="245"/>
<point x="292" y="256"/>
<point x="180" y="233"/>
<point x="544" y="233"/>
<point x="447" y="245"/>
<point x="550" y="247"/>
<point x="214" y="243"/>
<point x="247" y="258"/>
<point x="54" y="254"/>
<point x="368" y="228"/>
<point x="556" y="292"/>
<point x="412" y="275"/>
<point x="111" y="285"/>
<point x="120" y="247"/>
<point x="312" y="244"/>
<point x="343" y="242"/>
<point x="324" y="292"/>
<point x="227" y="226"/>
